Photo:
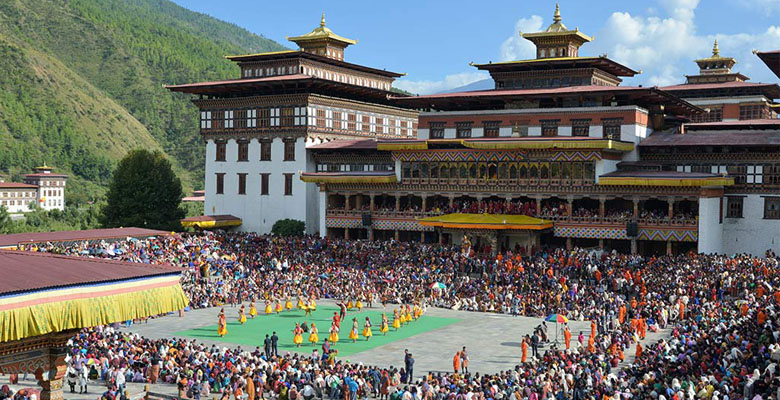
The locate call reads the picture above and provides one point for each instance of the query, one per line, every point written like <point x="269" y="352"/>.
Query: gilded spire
<point x="715" y="49"/>
<point x="322" y="21"/>
<point x="557" y="16"/>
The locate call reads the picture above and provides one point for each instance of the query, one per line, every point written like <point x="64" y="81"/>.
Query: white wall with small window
<point x="756" y="230"/>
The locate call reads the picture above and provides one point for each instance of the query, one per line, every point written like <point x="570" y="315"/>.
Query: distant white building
<point x="42" y="187"/>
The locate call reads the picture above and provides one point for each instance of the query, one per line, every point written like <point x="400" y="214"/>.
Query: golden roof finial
<point x="715" y="49"/>
<point x="322" y="21"/>
<point x="557" y="15"/>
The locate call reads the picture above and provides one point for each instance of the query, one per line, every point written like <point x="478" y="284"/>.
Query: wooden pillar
<point x="424" y="201"/>
<point x="601" y="243"/>
<point x="538" y="205"/>
<point x="359" y="202"/>
<point x="633" y="246"/>
<point x="422" y="236"/>
<point x="636" y="208"/>
<point x="671" y="208"/>
<point x="371" y="201"/>
<point x="479" y="203"/>
<point x="370" y="233"/>
<point x="570" y="206"/>
<point x="441" y="239"/>
<point x="568" y="243"/>
<point x="668" y="247"/>
<point x="452" y="200"/>
<point x="346" y="233"/>
<point x="397" y="235"/>
<point x="397" y="203"/>
<point x="346" y="202"/>
<point x="602" y="207"/>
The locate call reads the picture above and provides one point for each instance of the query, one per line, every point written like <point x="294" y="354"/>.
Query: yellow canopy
<point x="487" y="221"/>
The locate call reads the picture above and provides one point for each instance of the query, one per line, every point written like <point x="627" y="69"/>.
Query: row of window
<point x="259" y="72"/>
<point x="735" y="206"/>
<point x="353" y="167"/>
<point x="580" y="127"/>
<point x="303" y="116"/>
<point x="264" y="183"/>
<point x="501" y="170"/>
<point x="265" y="150"/>
<point x="17" y="194"/>
<point x="15" y="202"/>
<point x="750" y="111"/>
<point x="744" y="174"/>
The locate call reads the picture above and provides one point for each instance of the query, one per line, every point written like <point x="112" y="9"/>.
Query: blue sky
<point x="433" y="41"/>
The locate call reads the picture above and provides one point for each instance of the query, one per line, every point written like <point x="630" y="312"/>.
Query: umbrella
<point x="438" y="286"/>
<point x="558" y="319"/>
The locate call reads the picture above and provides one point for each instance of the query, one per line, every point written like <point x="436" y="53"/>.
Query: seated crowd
<point x="721" y="312"/>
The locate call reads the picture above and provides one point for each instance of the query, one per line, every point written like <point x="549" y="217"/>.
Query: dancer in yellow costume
<point x="334" y="334"/>
<point x="349" y="304"/>
<point x="408" y="314"/>
<point x="252" y="310"/>
<point x="307" y="310"/>
<point x="396" y="320"/>
<point x="221" y="323"/>
<point x="268" y="309"/>
<point x="353" y="333"/>
<point x="383" y="327"/>
<point x="367" y="329"/>
<point x="278" y="306"/>
<point x="300" y="304"/>
<point x="312" y="304"/>
<point x="359" y="304"/>
<point x="314" y="335"/>
<point x="241" y="315"/>
<point x="288" y="304"/>
<point x="298" y="335"/>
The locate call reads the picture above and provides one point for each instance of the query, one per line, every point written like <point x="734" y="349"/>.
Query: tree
<point x="288" y="227"/>
<point x="144" y="192"/>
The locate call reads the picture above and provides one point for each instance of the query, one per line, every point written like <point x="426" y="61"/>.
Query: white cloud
<point x="449" y="82"/>
<point x="517" y="48"/>
<point x="766" y="6"/>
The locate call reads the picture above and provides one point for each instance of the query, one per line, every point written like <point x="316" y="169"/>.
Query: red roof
<point x="16" y="185"/>
<point x="659" y="174"/>
<point x="45" y="175"/>
<point x="525" y="92"/>
<point x="359" y="144"/>
<point x="744" y="124"/>
<point x="771" y="90"/>
<point x="771" y="59"/>
<point x="26" y="271"/>
<point x="73" y="236"/>
<point x="238" y="81"/>
<point x="303" y="54"/>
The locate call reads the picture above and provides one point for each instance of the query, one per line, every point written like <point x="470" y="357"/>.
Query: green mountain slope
<point x="82" y="83"/>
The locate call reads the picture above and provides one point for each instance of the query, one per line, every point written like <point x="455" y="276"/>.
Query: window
<point x="289" y="150"/>
<point x="580" y="127"/>
<point x="312" y="113"/>
<point x="228" y="119"/>
<point x="713" y="115"/>
<point x="288" y="184"/>
<point x="243" y="151"/>
<point x="344" y="120"/>
<point x="611" y="128"/>
<point x="398" y="127"/>
<point x="220" y="183"/>
<point x="754" y="111"/>
<point x="771" y="207"/>
<point x="221" y="151"/>
<point x="436" y="130"/>
<point x="550" y="127"/>
<point x="492" y="128"/>
<point x="329" y="119"/>
<point x="274" y="112"/>
<point x="358" y="122"/>
<point x="300" y="116"/>
<point x="251" y="118"/>
<point x="265" y="150"/>
<point x="241" y="183"/>
<point x="463" y="129"/>
<point x="264" y="184"/>
<point x="755" y="174"/>
<point x="734" y="206"/>
<point x="372" y="124"/>
<point x="205" y="120"/>
<point x="385" y="126"/>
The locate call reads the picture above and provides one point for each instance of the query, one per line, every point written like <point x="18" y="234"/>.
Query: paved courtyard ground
<point x="492" y="340"/>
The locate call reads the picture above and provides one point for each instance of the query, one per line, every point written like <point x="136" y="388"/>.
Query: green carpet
<point x="253" y="332"/>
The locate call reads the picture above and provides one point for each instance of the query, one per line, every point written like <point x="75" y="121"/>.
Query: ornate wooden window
<point x="713" y="115"/>
<point x="550" y="127"/>
<point x="580" y="127"/>
<point x="265" y="150"/>
<point x="221" y="151"/>
<point x="734" y="206"/>
<point x="288" y="184"/>
<point x="771" y="207"/>
<point x="264" y="184"/>
<point x="220" y="183"/>
<point x="492" y="128"/>
<point x="251" y="118"/>
<point x="243" y="150"/>
<point x="436" y="130"/>
<point x="754" y="111"/>
<point x="611" y="128"/>
<point x="289" y="149"/>
<point x="241" y="183"/>
<point x="463" y="129"/>
<point x="205" y="120"/>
